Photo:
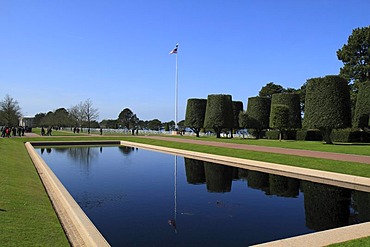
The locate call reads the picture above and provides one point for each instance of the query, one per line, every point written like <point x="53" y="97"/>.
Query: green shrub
<point x="362" y="111"/>
<point x="287" y="134"/>
<point x="327" y="105"/>
<point x="350" y="135"/>
<point x="219" y="113"/>
<point x="272" y="134"/>
<point x="292" y="102"/>
<point x="195" y="113"/>
<point x="308" y="135"/>
<point x="257" y="115"/>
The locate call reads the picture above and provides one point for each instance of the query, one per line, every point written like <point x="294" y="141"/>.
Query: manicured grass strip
<point x="353" y="243"/>
<point x="59" y="132"/>
<point x="26" y="213"/>
<point x="346" y="148"/>
<point x="343" y="167"/>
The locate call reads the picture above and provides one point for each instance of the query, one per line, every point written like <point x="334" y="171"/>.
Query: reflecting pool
<point x="137" y="197"/>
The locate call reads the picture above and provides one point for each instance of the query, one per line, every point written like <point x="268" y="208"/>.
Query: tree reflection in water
<point x="326" y="206"/>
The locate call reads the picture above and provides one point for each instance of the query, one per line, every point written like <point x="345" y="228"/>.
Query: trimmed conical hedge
<point x="292" y="102"/>
<point x="195" y="113"/>
<point x="219" y="113"/>
<point x="327" y="105"/>
<point x="362" y="111"/>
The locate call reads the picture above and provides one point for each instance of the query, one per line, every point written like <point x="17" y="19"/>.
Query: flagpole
<point x="175" y="51"/>
<point x="176" y="91"/>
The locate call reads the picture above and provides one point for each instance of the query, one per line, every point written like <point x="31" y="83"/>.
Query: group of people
<point x="14" y="131"/>
<point x="48" y="131"/>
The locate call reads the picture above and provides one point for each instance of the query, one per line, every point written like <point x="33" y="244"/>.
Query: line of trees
<point x="327" y="107"/>
<point x="127" y="119"/>
<point x="217" y="113"/>
<point x="80" y="115"/>
<point x="327" y="103"/>
<point x="84" y="115"/>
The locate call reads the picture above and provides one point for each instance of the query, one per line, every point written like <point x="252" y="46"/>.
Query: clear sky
<point x="59" y="53"/>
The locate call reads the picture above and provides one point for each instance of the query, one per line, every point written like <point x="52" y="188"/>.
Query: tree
<point x="362" y="110"/>
<point x="219" y="113"/>
<point x="90" y="113"/>
<point x="195" y="113"/>
<point x="269" y="89"/>
<point x="181" y="125"/>
<point x="77" y="114"/>
<point x="61" y="117"/>
<point x="355" y="56"/>
<point x="292" y="102"/>
<point x="257" y="115"/>
<point x="109" y="124"/>
<point x="279" y="118"/>
<point x="327" y="105"/>
<point x="237" y="109"/>
<point x="38" y="118"/>
<point x="154" y="124"/>
<point x="10" y="111"/>
<point x="169" y="125"/>
<point x="48" y="120"/>
<point x="128" y="119"/>
<point x="124" y="118"/>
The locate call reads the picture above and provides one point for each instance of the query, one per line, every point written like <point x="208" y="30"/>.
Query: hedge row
<point x="344" y="135"/>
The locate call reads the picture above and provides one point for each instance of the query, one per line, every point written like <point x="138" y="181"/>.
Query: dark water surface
<point x="137" y="197"/>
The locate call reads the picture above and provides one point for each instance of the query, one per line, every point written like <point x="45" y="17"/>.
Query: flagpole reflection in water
<point x="173" y="222"/>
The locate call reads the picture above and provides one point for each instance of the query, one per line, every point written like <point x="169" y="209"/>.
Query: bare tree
<point x="84" y="112"/>
<point x="90" y="113"/>
<point x="77" y="114"/>
<point x="10" y="112"/>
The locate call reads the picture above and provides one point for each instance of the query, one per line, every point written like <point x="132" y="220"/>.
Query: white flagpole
<point x="176" y="89"/>
<point x="175" y="51"/>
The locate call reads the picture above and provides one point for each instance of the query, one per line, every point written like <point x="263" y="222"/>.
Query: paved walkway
<point x="297" y="152"/>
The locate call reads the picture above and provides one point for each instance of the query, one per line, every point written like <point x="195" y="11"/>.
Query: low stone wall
<point x="78" y="227"/>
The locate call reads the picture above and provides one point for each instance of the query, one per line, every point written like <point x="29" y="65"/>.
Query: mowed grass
<point x="346" y="148"/>
<point x="27" y="216"/>
<point x="66" y="132"/>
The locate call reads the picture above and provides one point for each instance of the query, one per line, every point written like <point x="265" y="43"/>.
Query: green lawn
<point x="66" y="132"/>
<point x="347" y="148"/>
<point x="27" y="217"/>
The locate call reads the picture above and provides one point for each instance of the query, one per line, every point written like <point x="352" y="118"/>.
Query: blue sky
<point x="115" y="52"/>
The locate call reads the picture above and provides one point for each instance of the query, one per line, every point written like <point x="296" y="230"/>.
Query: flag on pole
<point x="174" y="51"/>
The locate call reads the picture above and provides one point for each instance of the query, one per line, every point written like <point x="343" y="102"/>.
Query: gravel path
<point x="297" y="152"/>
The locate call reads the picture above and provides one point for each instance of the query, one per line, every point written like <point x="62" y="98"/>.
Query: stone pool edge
<point x="322" y="238"/>
<point x="78" y="228"/>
